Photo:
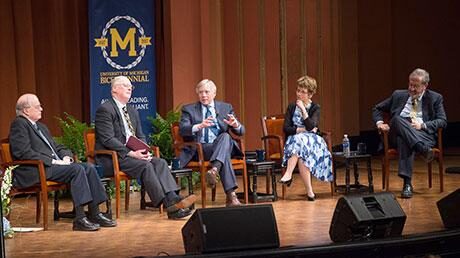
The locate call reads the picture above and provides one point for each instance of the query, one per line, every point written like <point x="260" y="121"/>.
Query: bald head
<point x="29" y="106"/>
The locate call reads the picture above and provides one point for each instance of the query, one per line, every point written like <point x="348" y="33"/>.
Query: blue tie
<point x="56" y="156"/>
<point x="206" y="130"/>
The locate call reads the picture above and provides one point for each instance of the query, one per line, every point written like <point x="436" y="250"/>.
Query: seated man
<point x="208" y="121"/>
<point x="30" y="139"/>
<point x="416" y="115"/>
<point x="115" y="123"/>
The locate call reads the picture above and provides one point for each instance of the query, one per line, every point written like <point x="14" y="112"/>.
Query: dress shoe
<point x="211" y="177"/>
<point x="182" y="203"/>
<point x="407" y="191"/>
<point x="103" y="221"/>
<point x="428" y="155"/>
<point x="83" y="224"/>
<point x="232" y="200"/>
<point x="288" y="182"/>
<point x="311" y="199"/>
<point x="179" y="214"/>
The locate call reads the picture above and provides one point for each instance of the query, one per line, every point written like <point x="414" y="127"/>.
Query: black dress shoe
<point x="407" y="191"/>
<point x="103" y="221"/>
<point x="179" y="214"/>
<point x="311" y="199"/>
<point x="428" y="155"/>
<point x="288" y="182"/>
<point x="83" y="224"/>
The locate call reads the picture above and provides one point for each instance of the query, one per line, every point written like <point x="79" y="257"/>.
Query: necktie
<point x="56" y="156"/>
<point x="126" y="115"/>
<point x="413" y="113"/>
<point x="206" y="130"/>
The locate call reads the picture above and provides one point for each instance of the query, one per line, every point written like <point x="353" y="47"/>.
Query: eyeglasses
<point x="304" y="91"/>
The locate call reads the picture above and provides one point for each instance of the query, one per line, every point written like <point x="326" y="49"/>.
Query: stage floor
<point x="147" y="233"/>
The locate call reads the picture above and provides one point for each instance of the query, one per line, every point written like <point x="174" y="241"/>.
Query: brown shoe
<point x="211" y="177"/>
<point x="232" y="200"/>
<point x="182" y="204"/>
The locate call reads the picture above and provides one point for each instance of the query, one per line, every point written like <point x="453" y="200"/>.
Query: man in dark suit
<point x="30" y="139"/>
<point x="416" y="114"/>
<point x="208" y="121"/>
<point x="115" y="123"/>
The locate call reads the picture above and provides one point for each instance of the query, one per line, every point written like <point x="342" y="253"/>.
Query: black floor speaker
<point x="364" y="217"/>
<point x="449" y="209"/>
<point x="229" y="229"/>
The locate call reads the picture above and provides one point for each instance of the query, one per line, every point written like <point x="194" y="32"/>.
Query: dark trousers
<point x="221" y="149"/>
<point x="85" y="184"/>
<point x="155" y="176"/>
<point x="405" y="137"/>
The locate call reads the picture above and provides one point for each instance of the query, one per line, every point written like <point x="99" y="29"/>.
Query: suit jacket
<point x="192" y="114"/>
<point x="26" y="143"/>
<point x="433" y="112"/>
<point x="110" y="129"/>
<point x="311" y="122"/>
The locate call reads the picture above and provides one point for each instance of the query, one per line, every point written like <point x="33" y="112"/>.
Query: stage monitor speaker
<point x="364" y="217"/>
<point x="229" y="229"/>
<point x="449" y="209"/>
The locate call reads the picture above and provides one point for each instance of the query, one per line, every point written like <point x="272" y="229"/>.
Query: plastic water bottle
<point x="346" y="145"/>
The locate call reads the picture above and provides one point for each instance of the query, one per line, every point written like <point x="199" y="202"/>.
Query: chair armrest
<point x="155" y="150"/>
<point x="279" y="141"/>
<point x="327" y="135"/>
<point x="40" y="166"/>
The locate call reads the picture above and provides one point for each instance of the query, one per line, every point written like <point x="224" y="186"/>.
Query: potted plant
<point x="5" y="195"/>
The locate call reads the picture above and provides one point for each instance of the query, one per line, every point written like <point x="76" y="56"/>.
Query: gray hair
<point x="23" y="103"/>
<point x="119" y="80"/>
<point x="422" y="74"/>
<point x="206" y="82"/>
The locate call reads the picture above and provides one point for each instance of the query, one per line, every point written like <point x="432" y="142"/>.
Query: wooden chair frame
<point x="392" y="154"/>
<point x="203" y="166"/>
<point x="41" y="189"/>
<point x="118" y="175"/>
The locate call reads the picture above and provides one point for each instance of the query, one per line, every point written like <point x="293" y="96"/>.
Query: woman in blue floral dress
<point x="304" y="147"/>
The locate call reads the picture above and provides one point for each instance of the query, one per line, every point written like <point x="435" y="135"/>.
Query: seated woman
<point x="304" y="147"/>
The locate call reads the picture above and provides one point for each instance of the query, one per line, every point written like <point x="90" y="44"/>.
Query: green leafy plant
<point x="72" y="135"/>
<point x="161" y="135"/>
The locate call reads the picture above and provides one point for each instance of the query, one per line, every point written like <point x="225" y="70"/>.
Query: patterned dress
<point x="311" y="148"/>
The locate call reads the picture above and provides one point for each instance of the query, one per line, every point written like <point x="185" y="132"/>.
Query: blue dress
<point x="311" y="148"/>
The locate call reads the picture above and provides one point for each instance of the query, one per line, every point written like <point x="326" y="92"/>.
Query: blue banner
<point x="121" y="43"/>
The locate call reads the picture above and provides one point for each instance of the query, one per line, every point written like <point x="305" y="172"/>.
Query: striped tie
<point x="56" y="156"/>
<point x="126" y="115"/>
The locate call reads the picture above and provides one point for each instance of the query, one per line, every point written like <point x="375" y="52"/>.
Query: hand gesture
<point x="231" y="121"/>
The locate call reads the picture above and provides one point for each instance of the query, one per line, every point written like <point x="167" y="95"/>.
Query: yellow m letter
<point x="116" y="40"/>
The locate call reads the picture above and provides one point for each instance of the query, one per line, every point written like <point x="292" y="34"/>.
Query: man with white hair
<point x="208" y="121"/>
<point x="30" y="139"/>
<point x="116" y="122"/>
<point x="416" y="114"/>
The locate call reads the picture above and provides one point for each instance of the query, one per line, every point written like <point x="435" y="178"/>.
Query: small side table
<point x="353" y="159"/>
<point x="177" y="173"/>
<point x="256" y="168"/>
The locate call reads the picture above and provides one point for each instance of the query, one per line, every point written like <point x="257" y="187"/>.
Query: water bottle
<point x="346" y="145"/>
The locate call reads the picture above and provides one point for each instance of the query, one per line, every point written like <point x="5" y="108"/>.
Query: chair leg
<point x="38" y="209"/>
<point x="387" y="175"/>
<point x="283" y="191"/>
<point x="143" y="204"/>
<point x="127" y="188"/>
<point x="430" y="174"/>
<point x="441" y="174"/>
<point x="45" y="209"/>
<point x="203" y="187"/>
<point x="332" y="188"/>
<point x="117" y="198"/>
<point x="56" y="206"/>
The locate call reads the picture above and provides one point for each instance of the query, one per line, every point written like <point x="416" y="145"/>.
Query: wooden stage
<point x="147" y="233"/>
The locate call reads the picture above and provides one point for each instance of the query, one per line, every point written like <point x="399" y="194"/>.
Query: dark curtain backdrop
<point x="44" y="48"/>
